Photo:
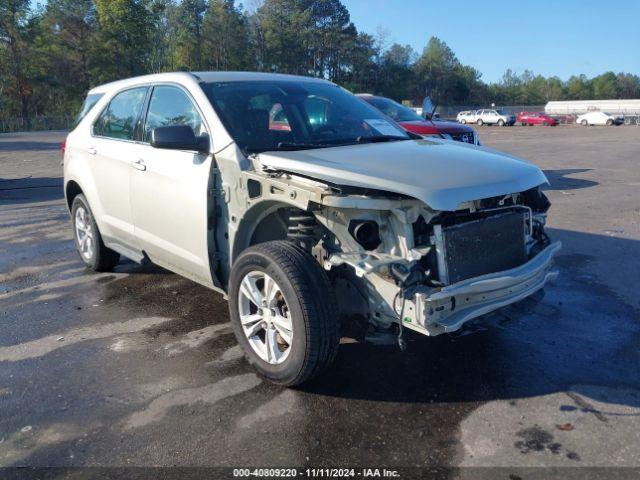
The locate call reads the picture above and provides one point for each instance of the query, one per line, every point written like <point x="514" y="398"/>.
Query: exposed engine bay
<point x="399" y="262"/>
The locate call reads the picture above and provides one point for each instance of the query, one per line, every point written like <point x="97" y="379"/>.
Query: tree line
<point x="51" y="55"/>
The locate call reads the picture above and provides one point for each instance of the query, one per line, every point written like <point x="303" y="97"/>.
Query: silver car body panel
<point x="442" y="174"/>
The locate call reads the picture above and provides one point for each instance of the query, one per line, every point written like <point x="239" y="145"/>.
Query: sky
<point x="549" y="37"/>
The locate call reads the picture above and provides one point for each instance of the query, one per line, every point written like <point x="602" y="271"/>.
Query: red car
<point x="414" y="123"/>
<point x="534" y="118"/>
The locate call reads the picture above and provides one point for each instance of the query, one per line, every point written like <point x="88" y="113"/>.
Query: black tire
<point x="545" y="123"/>
<point x="479" y="122"/>
<point x="609" y="122"/>
<point x="311" y="304"/>
<point x="524" y="124"/>
<point x="585" y="123"/>
<point x="102" y="259"/>
<point x="501" y="123"/>
<point x="463" y="121"/>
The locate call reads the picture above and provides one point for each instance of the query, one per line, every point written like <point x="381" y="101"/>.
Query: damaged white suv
<point x="307" y="207"/>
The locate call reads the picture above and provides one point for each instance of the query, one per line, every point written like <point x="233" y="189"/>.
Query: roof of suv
<point x="204" y="77"/>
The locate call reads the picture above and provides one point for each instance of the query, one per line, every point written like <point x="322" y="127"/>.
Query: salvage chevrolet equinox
<point x="309" y="209"/>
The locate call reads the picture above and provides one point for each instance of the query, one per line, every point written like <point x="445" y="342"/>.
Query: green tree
<point x="188" y="20"/>
<point x="363" y="71"/>
<point x="226" y="37"/>
<point x="605" y="86"/>
<point x="396" y="78"/>
<point x="331" y="35"/>
<point x="122" y="43"/>
<point x="579" y="88"/>
<point x="285" y="36"/>
<point x="15" y="33"/>
<point x="62" y="49"/>
<point x="436" y="71"/>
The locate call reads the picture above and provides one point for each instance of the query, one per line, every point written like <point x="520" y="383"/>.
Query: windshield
<point x="287" y="115"/>
<point x="88" y="104"/>
<point x="392" y="109"/>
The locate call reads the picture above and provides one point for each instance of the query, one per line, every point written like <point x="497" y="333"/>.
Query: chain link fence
<point x="34" y="124"/>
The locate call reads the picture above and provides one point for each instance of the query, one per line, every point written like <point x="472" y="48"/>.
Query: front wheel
<point x="501" y="123"/>
<point x="585" y="123"/>
<point x="479" y="122"/>
<point x="88" y="240"/>
<point x="463" y="121"/>
<point x="609" y="122"/>
<point x="524" y="124"/>
<point x="283" y="312"/>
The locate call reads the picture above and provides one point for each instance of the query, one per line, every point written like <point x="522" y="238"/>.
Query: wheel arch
<point x="262" y="222"/>
<point x="71" y="190"/>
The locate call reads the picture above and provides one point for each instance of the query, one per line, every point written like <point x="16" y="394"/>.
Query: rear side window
<point x="119" y="119"/>
<point x="87" y="105"/>
<point x="171" y="106"/>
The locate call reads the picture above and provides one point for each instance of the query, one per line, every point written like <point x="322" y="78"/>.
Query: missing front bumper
<point x="449" y="308"/>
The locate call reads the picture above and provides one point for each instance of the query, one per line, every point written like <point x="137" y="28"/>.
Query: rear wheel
<point x="283" y="312"/>
<point x="88" y="240"/>
<point x="479" y="122"/>
<point x="545" y="123"/>
<point x="463" y="121"/>
<point x="523" y="123"/>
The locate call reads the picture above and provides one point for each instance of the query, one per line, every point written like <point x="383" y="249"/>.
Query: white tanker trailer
<point x="629" y="109"/>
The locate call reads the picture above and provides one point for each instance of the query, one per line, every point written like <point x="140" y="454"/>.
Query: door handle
<point x="92" y="150"/>
<point x="139" y="165"/>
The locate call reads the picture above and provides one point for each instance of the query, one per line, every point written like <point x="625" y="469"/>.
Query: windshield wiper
<point x="380" y="138"/>
<point x="299" y="146"/>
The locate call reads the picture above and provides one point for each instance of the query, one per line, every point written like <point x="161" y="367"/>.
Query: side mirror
<point x="179" y="137"/>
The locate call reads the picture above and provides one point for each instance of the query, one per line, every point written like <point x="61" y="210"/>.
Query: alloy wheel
<point x="265" y="317"/>
<point x="84" y="233"/>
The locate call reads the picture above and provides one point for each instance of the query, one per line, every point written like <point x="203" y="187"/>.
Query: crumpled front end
<point x="449" y="308"/>
<point x="399" y="261"/>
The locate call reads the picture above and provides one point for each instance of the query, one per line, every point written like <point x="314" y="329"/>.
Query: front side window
<point x="119" y="119"/>
<point x="171" y="106"/>
<point x="282" y="114"/>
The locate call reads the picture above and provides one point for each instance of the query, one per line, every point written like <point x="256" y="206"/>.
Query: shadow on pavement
<point x="560" y="180"/>
<point x="25" y="145"/>
<point x="30" y="190"/>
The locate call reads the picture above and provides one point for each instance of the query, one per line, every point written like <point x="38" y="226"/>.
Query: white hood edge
<point x="441" y="173"/>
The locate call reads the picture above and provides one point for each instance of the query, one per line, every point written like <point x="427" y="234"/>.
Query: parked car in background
<point x="536" y="118"/>
<point x="599" y="118"/>
<point x="494" y="117"/>
<point x="468" y="116"/>
<point x="414" y="123"/>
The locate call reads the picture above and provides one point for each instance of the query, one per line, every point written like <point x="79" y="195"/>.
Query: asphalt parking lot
<point x="139" y="366"/>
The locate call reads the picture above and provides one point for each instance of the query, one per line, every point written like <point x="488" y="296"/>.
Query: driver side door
<point x="169" y="189"/>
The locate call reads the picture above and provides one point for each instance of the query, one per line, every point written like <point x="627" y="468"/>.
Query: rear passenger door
<point x="169" y="189"/>
<point x="111" y="152"/>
